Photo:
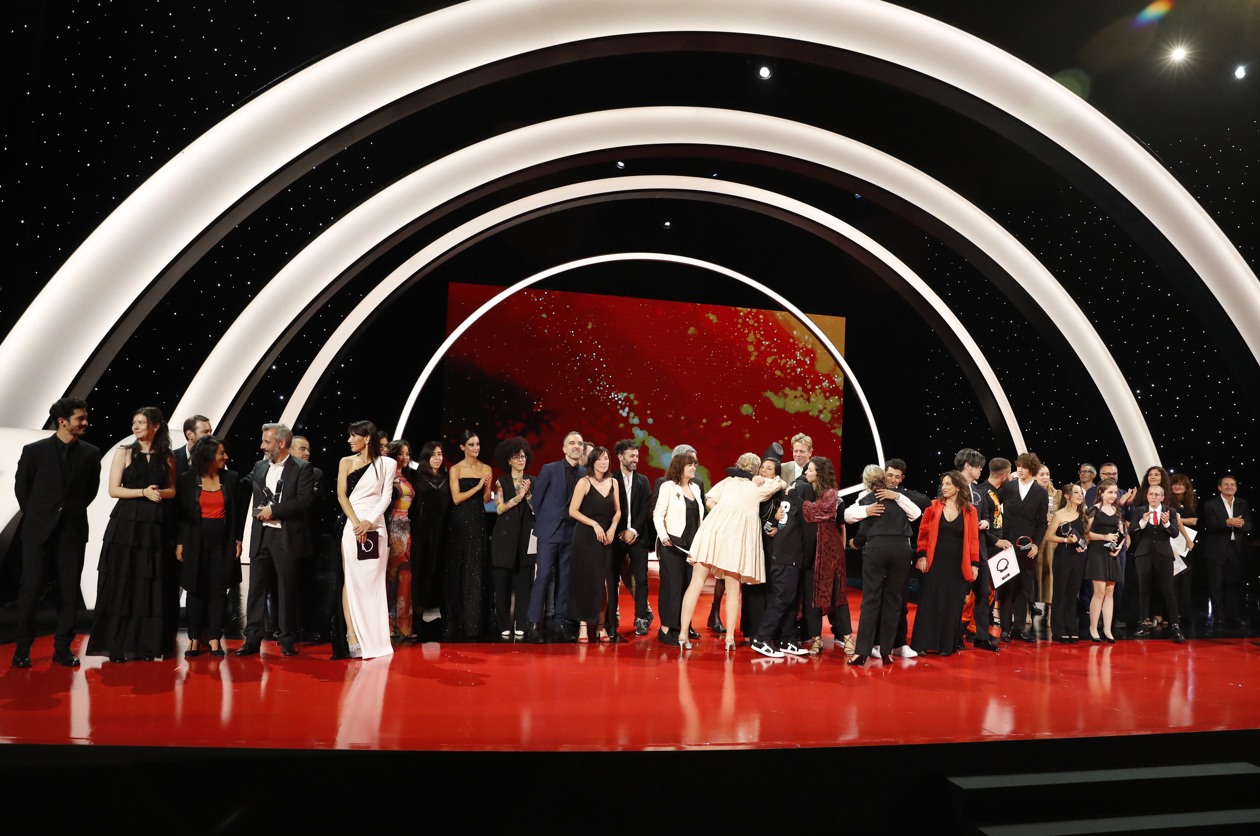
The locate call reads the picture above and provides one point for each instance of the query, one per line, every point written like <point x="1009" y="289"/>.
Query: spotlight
<point x="666" y="225"/>
<point x="1240" y="71"/>
<point x="1178" y="53"/>
<point x="764" y="72"/>
<point x="620" y="164"/>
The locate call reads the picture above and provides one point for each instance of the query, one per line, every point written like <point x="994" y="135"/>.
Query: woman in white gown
<point x="365" y="483"/>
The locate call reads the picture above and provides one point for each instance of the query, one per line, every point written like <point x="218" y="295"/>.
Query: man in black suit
<point x="1024" y="504"/>
<point x="1154" y="526"/>
<point x="970" y="463"/>
<point x="775" y="635"/>
<point x="194" y="428"/>
<point x="554" y="528"/>
<point x="634" y="532"/>
<point x="1224" y="525"/>
<point x="315" y="580"/>
<point x="283" y="489"/>
<point x="57" y="478"/>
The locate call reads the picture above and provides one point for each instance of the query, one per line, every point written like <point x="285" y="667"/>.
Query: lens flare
<point x="1153" y="12"/>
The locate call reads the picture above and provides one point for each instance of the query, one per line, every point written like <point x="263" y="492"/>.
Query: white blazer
<point x="670" y="513"/>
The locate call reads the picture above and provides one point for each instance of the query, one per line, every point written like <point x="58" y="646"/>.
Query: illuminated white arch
<point x="378" y="295"/>
<point x="301" y="280"/>
<point x="168" y="211"/>
<point x="850" y="378"/>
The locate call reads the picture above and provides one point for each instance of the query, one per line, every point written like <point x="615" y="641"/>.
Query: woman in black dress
<point x="467" y="547"/>
<point x="1104" y="530"/>
<point x="509" y="543"/>
<point x="1066" y="533"/>
<point x="597" y="508"/>
<point x="949" y="543"/>
<point x="129" y="612"/>
<point x="212" y="514"/>
<point x="429" y="513"/>
<point x="676" y="517"/>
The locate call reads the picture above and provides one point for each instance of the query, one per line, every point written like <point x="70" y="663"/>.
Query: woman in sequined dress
<point x="467" y="580"/>
<point x="398" y="570"/>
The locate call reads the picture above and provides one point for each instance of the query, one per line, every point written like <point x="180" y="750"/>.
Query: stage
<point x="636" y="696"/>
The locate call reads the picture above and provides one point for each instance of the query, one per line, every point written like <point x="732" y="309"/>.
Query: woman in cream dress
<point x="365" y="483"/>
<point x="728" y="543"/>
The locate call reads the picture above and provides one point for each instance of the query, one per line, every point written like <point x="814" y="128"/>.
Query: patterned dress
<point x="398" y="572"/>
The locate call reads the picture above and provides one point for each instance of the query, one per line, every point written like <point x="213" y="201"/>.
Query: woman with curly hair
<point x="825" y="581"/>
<point x="949" y="543"/>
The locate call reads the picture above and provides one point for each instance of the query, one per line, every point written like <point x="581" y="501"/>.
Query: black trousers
<point x="779" y="619"/>
<point x="1018" y="594"/>
<point x="512" y="584"/>
<point x="1154" y="569"/>
<point x="63" y="554"/>
<point x="885" y="573"/>
<point x="841" y="618"/>
<point x="1224" y="571"/>
<point x="637" y="552"/>
<point x="272" y="567"/>
<point x="1069" y="571"/>
<point x="1184" y="587"/>
<point x="207" y="604"/>
<point x="982" y="612"/>
<point x="675" y="578"/>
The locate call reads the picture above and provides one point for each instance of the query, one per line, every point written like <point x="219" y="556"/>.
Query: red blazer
<point x="971" y="536"/>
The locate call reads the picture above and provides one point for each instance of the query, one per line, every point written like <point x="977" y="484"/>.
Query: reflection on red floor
<point x="633" y="696"/>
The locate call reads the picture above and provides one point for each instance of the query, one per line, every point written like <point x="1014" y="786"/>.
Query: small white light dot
<point x="764" y="72"/>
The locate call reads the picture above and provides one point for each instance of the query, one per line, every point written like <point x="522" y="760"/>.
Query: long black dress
<point x="128" y="623"/>
<point x="1100" y="564"/>
<point x="467" y="613"/>
<point x="591" y="561"/>
<point x="429" y="513"/>
<point x="938" y="621"/>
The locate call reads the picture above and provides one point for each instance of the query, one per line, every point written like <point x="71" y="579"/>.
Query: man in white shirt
<point x="194" y="428"/>
<point x="634" y="534"/>
<point x="1224" y="524"/>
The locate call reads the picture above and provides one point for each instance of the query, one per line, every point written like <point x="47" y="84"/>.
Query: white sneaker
<point x="766" y="649"/>
<point x="875" y="652"/>
<point x="793" y="649"/>
<point x="904" y="652"/>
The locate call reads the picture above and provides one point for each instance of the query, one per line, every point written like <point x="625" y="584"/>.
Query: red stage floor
<point x="635" y="696"/>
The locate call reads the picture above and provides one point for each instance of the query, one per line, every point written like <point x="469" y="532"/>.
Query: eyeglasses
<point x="518" y="457"/>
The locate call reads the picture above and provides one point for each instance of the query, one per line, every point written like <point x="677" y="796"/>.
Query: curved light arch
<point x="543" y="275"/>
<point x="168" y="211"/>
<point x="430" y="254"/>
<point x="337" y="248"/>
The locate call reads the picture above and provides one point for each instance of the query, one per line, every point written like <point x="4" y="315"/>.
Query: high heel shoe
<point x="715" y="623"/>
<point x="683" y="642"/>
<point x="858" y="660"/>
<point x="1109" y="639"/>
<point x="730" y="645"/>
<point x="1095" y="639"/>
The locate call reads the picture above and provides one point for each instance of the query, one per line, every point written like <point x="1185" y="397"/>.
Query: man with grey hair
<point x="283" y="488"/>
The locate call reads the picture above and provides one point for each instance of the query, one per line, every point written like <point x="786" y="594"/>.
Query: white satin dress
<point x="365" y="579"/>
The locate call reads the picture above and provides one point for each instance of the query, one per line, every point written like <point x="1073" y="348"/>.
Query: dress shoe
<point x="1177" y="637"/>
<point x="65" y="657"/>
<point x="986" y="644"/>
<point x="1037" y="611"/>
<point x="287" y="648"/>
<point x="22" y="658"/>
<point x="666" y="638"/>
<point x="1024" y="637"/>
<point x="533" y="635"/>
<point x="641" y="626"/>
<point x="247" y="650"/>
<point x="693" y="633"/>
<point x="1006" y="635"/>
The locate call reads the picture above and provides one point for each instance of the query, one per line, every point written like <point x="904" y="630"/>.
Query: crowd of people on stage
<point x="413" y="547"/>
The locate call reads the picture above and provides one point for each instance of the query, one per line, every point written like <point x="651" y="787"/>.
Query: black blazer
<point x="188" y="496"/>
<point x="51" y="498"/>
<point x="789" y="543"/>
<point x="182" y="464"/>
<point x="1024" y="517"/>
<point x="1214" y="533"/>
<point x="639" y="513"/>
<point x="509" y="542"/>
<point x="290" y="512"/>
<point x="1152" y="538"/>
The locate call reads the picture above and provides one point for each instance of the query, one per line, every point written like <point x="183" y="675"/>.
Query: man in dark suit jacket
<point x="1024" y="505"/>
<point x="1153" y="529"/>
<point x="194" y="428"/>
<point x="634" y="531"/>
<point x="57" y="478"/>
<point x="970" y="463"/>
<point x="283" y="488"/>
<point x="315" y="580"/>
<point x="1224" y="524"/>
<point x="554" y="529"/>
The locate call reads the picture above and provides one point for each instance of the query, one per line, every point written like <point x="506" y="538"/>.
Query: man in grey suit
<point x="802" y="452"/>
